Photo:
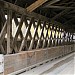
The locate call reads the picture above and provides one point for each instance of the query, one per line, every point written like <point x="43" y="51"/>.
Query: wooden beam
<point x="72" y="12"/>
<point x="2" y="16"/>
<point x="59" y="7"/>
<point x="9" y="23"/>
<point x="35" y="5"/>
<point x="69" y="21"/>
<point x="61" y="13"/>
<point x="17" y="23"/>
<point x="2" y="49"/>
<point x="3" y="31"/>
<point x="50" y="3"/>
<point x="65" y="3"/>
<point x="17" y="33"/>
<point x="20" y="10"/>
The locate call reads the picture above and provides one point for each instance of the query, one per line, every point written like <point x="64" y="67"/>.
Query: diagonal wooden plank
<point x="4" y="23"/>
<point x="2" y="49"/>
<point x="69" y="21"/>
<point x="16" y="22"/>
<point x="17" y="33"/>
<point x="3" y="31"/>
<point x="30" y="35"/>
<point x="19" y="28"/>
<point x="2" y="36"/>
<point x="35" y="5"/>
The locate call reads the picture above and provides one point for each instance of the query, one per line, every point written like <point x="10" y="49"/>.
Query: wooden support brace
<point x="16" y="22"/>
<point x="2" y="35"/>
<point x="17" y="33"/>
<point x="9" y="23"/>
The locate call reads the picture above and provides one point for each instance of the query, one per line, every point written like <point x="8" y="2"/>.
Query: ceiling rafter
<point x="35" y="5"/>
<point x="69" y="21"/>
<point x="50" y="3"/>
<point x="64" y="3"/>
<point x="61" y="13"/>
<point x="59" y="7"/>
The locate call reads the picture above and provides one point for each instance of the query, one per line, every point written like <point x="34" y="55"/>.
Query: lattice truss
<point x="20" y="33"/>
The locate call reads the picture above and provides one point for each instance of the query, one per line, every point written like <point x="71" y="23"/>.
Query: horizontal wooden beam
<point x="20" y="10"/>
<point x="59" y="7"/>
<point x="65" y="3"/>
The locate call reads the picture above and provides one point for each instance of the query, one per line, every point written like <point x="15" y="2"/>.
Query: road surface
<point x="61" y="66"/>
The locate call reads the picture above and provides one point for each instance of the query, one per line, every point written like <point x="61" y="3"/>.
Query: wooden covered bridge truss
<point x="46" y="32"/>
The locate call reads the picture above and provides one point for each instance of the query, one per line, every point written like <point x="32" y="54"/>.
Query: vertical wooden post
<point x="52" y="35"/>
<point x="9" y="23"/>
<point x="66" y="36"/>
<point x="55" y="34"/>
<point x="69" y="37"/>
<point x="50" y="38"/>
<point x="72" y="38"/>
<point x="58" y="37"/>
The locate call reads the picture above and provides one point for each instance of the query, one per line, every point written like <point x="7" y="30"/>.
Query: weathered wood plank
<point x="35" y="5"/>
<point x="9" y="23"/>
